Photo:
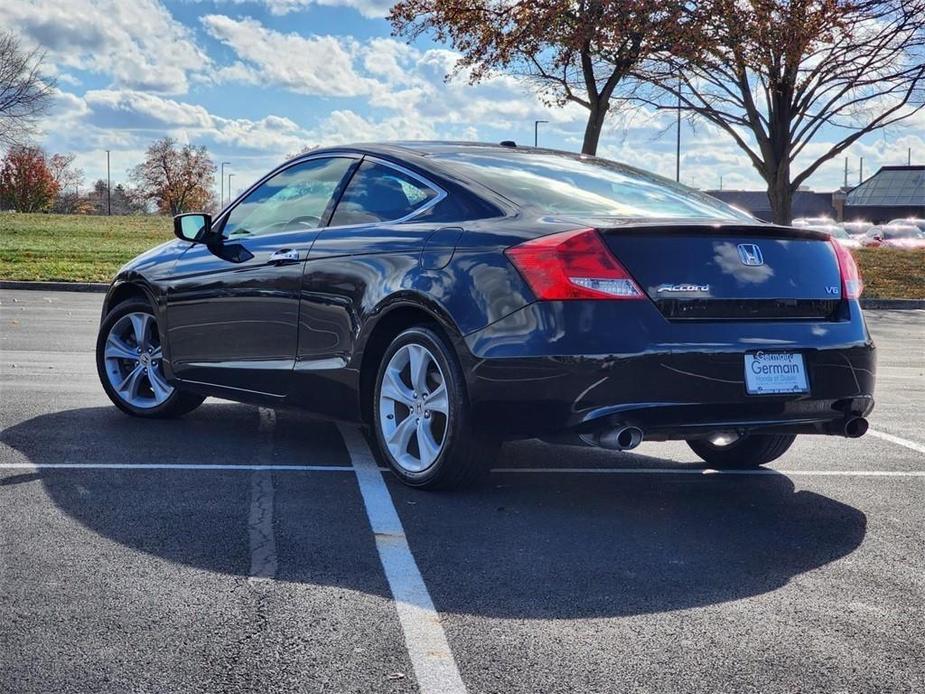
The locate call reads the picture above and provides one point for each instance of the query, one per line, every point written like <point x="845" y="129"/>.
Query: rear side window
<point x="586" y="185"/>
<point x="379" y="193"/>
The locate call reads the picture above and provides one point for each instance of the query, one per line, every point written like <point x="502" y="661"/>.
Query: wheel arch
<point x="123" y="290"/>
<point x="392" y="319"/>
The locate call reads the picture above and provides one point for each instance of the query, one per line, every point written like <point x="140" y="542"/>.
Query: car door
<point x="233" y="307"/>
<point x="372" y="245"/>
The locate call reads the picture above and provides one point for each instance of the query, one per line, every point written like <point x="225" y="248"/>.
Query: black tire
<point x="745" y="453"/>
<point x="177" y="403"/>
<point x="466" y="456"/>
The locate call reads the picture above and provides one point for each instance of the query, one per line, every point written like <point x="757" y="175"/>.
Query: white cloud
<point x="371" y="9"/>
<point x="138" y="43"/>
<point x="320" y="65"/>
<point x="368" y="8"/>
<point x="346" y="126"/>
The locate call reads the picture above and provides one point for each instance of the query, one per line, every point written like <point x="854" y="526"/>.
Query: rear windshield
<point x="567" y="184"/>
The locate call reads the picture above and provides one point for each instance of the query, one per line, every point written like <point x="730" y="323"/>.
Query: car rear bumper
<point x="583" y="366"/>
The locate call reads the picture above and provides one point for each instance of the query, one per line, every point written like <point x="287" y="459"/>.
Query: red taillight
<point x="851" y="283"/>
<point x="572" y="265"/>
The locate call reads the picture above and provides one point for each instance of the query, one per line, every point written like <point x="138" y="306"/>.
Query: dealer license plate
<point x="769" y="373"/>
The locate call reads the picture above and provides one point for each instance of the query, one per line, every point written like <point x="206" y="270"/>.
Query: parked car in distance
<point x="837" y="233"/>
<point x="449" y="296"/>
<point x="801" y="222"/>
<point x="917" y="222"/>
<point x="904" y="236"/>
<point x="857" y="227"/>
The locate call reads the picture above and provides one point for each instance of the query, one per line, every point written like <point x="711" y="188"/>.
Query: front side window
<point x="379" y="193"/>
<point x="295" y="198"/>
<point x="585" y="185"/>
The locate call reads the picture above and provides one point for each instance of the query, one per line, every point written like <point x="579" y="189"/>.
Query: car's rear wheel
<point x="730" y="451"/>
<point x="421" y="417"/>
<point x="129" y="360"/>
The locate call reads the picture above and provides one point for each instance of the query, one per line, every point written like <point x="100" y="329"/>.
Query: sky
<point x="258" y="80"/>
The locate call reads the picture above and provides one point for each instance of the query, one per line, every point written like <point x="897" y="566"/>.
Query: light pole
<point x="536" y="131"/>
<point x="221" y="185"/>
<point x="108" y="186"/>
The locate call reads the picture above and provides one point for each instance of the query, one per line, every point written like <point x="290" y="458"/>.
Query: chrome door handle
<point x="284" y="256"/>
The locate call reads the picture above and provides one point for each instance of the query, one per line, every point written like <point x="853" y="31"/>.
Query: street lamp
<point x="536" y="131"/>
<point x="108" y="187"/>
<point x="221" y="185"/>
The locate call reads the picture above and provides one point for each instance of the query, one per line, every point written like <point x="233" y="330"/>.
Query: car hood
<point x="154" y="262"/>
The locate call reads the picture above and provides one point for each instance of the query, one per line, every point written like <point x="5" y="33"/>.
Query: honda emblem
<point x="750" y="254"/>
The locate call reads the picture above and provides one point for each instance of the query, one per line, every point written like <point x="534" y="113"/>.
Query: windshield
<point x="561" y="183"/>
<point x="906" y="232"/>
<point x="918" y="223"/>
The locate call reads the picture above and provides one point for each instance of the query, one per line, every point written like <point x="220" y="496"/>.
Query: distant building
<point x="805" y="203"/>
<point x="894" y="191"/>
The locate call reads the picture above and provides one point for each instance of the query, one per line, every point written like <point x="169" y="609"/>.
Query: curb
<point x="96" y="287"/>
<point x="893" y="304"/>
<point x="101" y="288"/>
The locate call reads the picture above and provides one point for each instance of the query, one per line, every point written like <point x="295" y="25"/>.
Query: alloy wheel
<point x="414" y="408"/>
<point x="133" y="359"/>
<point x="724" y="438"/>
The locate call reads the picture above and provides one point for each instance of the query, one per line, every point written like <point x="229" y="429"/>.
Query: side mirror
<point x="194" y="227"/>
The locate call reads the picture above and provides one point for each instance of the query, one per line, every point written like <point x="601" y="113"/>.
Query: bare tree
<point x="177" y="179"/>
<point x="62" y="170"/>
<point x="775" y="73"/>
<point x="24" y="94"/>
<point x="575" y="51"/>
<point x="68" y="178"/>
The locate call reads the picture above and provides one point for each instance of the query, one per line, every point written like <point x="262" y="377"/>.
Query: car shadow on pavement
<point x="524" y="545"/>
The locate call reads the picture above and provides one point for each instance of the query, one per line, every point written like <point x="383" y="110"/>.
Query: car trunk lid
<point x="731" y="272"/>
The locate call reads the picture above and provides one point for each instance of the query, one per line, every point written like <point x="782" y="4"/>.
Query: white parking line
<point x="897" y="440"/>
<point x="175" y="466"/>
<point x="532" y="470"/>
<point x="709" y="472"/>
<point x="431" y="658"/>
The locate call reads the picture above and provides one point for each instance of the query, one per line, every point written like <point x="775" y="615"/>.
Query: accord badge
<point x="683" y="289"/>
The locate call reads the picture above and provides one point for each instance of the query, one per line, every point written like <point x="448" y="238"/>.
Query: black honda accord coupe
<point x="450" y="296"/>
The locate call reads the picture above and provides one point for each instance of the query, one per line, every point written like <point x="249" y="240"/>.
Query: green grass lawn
<point x="890" y="273"/>
<point x="73" y="248"/>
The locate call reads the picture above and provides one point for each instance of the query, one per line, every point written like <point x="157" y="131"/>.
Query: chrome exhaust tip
<point x="855" y="427"/>
<point x="620" y="439"/>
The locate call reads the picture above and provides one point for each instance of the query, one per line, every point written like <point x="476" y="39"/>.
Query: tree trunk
<point x="596" y="116"/>
<point x="780" y="195"/>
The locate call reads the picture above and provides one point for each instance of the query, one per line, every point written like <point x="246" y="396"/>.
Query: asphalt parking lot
<point x="240" y="549"/>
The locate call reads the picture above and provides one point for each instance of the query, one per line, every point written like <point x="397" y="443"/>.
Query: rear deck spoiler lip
<point x="678" y="227"/>
<point x="744" y="230"/>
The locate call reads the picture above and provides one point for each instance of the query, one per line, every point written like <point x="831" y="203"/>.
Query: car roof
<point x="435" y="148"/>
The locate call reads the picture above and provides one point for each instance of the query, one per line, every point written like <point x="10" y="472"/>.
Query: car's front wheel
<point x="421" y="416"/>
<point x="730" y="451"/>
<point x="129" y="360"/>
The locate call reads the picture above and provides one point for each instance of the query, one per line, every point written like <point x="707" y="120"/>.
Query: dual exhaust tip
<point x="626" y="438"/>
<point x="855" y="427"/>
